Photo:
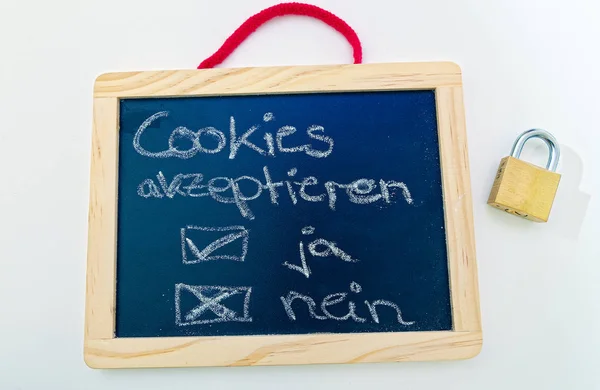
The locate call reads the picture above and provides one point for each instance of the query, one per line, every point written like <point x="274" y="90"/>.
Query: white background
<point x="525" y="64"/>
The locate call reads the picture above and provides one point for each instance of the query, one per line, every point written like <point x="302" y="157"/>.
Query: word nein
<point x="331" y="300"/>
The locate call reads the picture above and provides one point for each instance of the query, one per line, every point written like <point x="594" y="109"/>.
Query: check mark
<point x="194" y="252"/>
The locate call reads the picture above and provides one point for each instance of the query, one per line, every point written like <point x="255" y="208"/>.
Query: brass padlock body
<point x="524" y="189"/>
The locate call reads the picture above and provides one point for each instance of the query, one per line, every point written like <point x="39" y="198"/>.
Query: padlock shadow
<point x="570" y="204"/>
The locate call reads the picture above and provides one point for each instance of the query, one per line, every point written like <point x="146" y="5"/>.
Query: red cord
<point x="255" y="21"/>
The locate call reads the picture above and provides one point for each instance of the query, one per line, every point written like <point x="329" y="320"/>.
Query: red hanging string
<point x="255" y="21"/>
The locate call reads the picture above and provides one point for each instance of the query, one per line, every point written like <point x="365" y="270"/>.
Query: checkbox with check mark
<point x="203" y="243"/>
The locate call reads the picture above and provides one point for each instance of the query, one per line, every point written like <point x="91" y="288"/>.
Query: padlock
<point x="524" y="189"/>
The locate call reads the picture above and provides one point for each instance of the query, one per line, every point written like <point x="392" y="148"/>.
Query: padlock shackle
<point x="553" y="149"/>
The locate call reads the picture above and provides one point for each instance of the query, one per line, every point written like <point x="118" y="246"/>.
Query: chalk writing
<point x="228" y="190"/>
<point x="310" y="303"/>
<point x="211" y="309"/>
<point x="380" y="302"/>
<point x="237" y="140"/>
<point x="338" y="299"/>
<point x="303" y="268"/>
<point x="191" y="234"/>
<point x="199" y="244"/>
<point x="330" y="248"/>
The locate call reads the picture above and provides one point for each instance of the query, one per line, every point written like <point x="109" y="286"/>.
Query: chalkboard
<point x="304" y="213"/>
<point x="371" y="222"/>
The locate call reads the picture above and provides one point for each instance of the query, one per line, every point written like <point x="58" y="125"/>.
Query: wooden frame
<point x="103" y="350"/>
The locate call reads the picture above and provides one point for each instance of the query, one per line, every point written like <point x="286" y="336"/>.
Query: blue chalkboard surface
<point x="280" y="214"/>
